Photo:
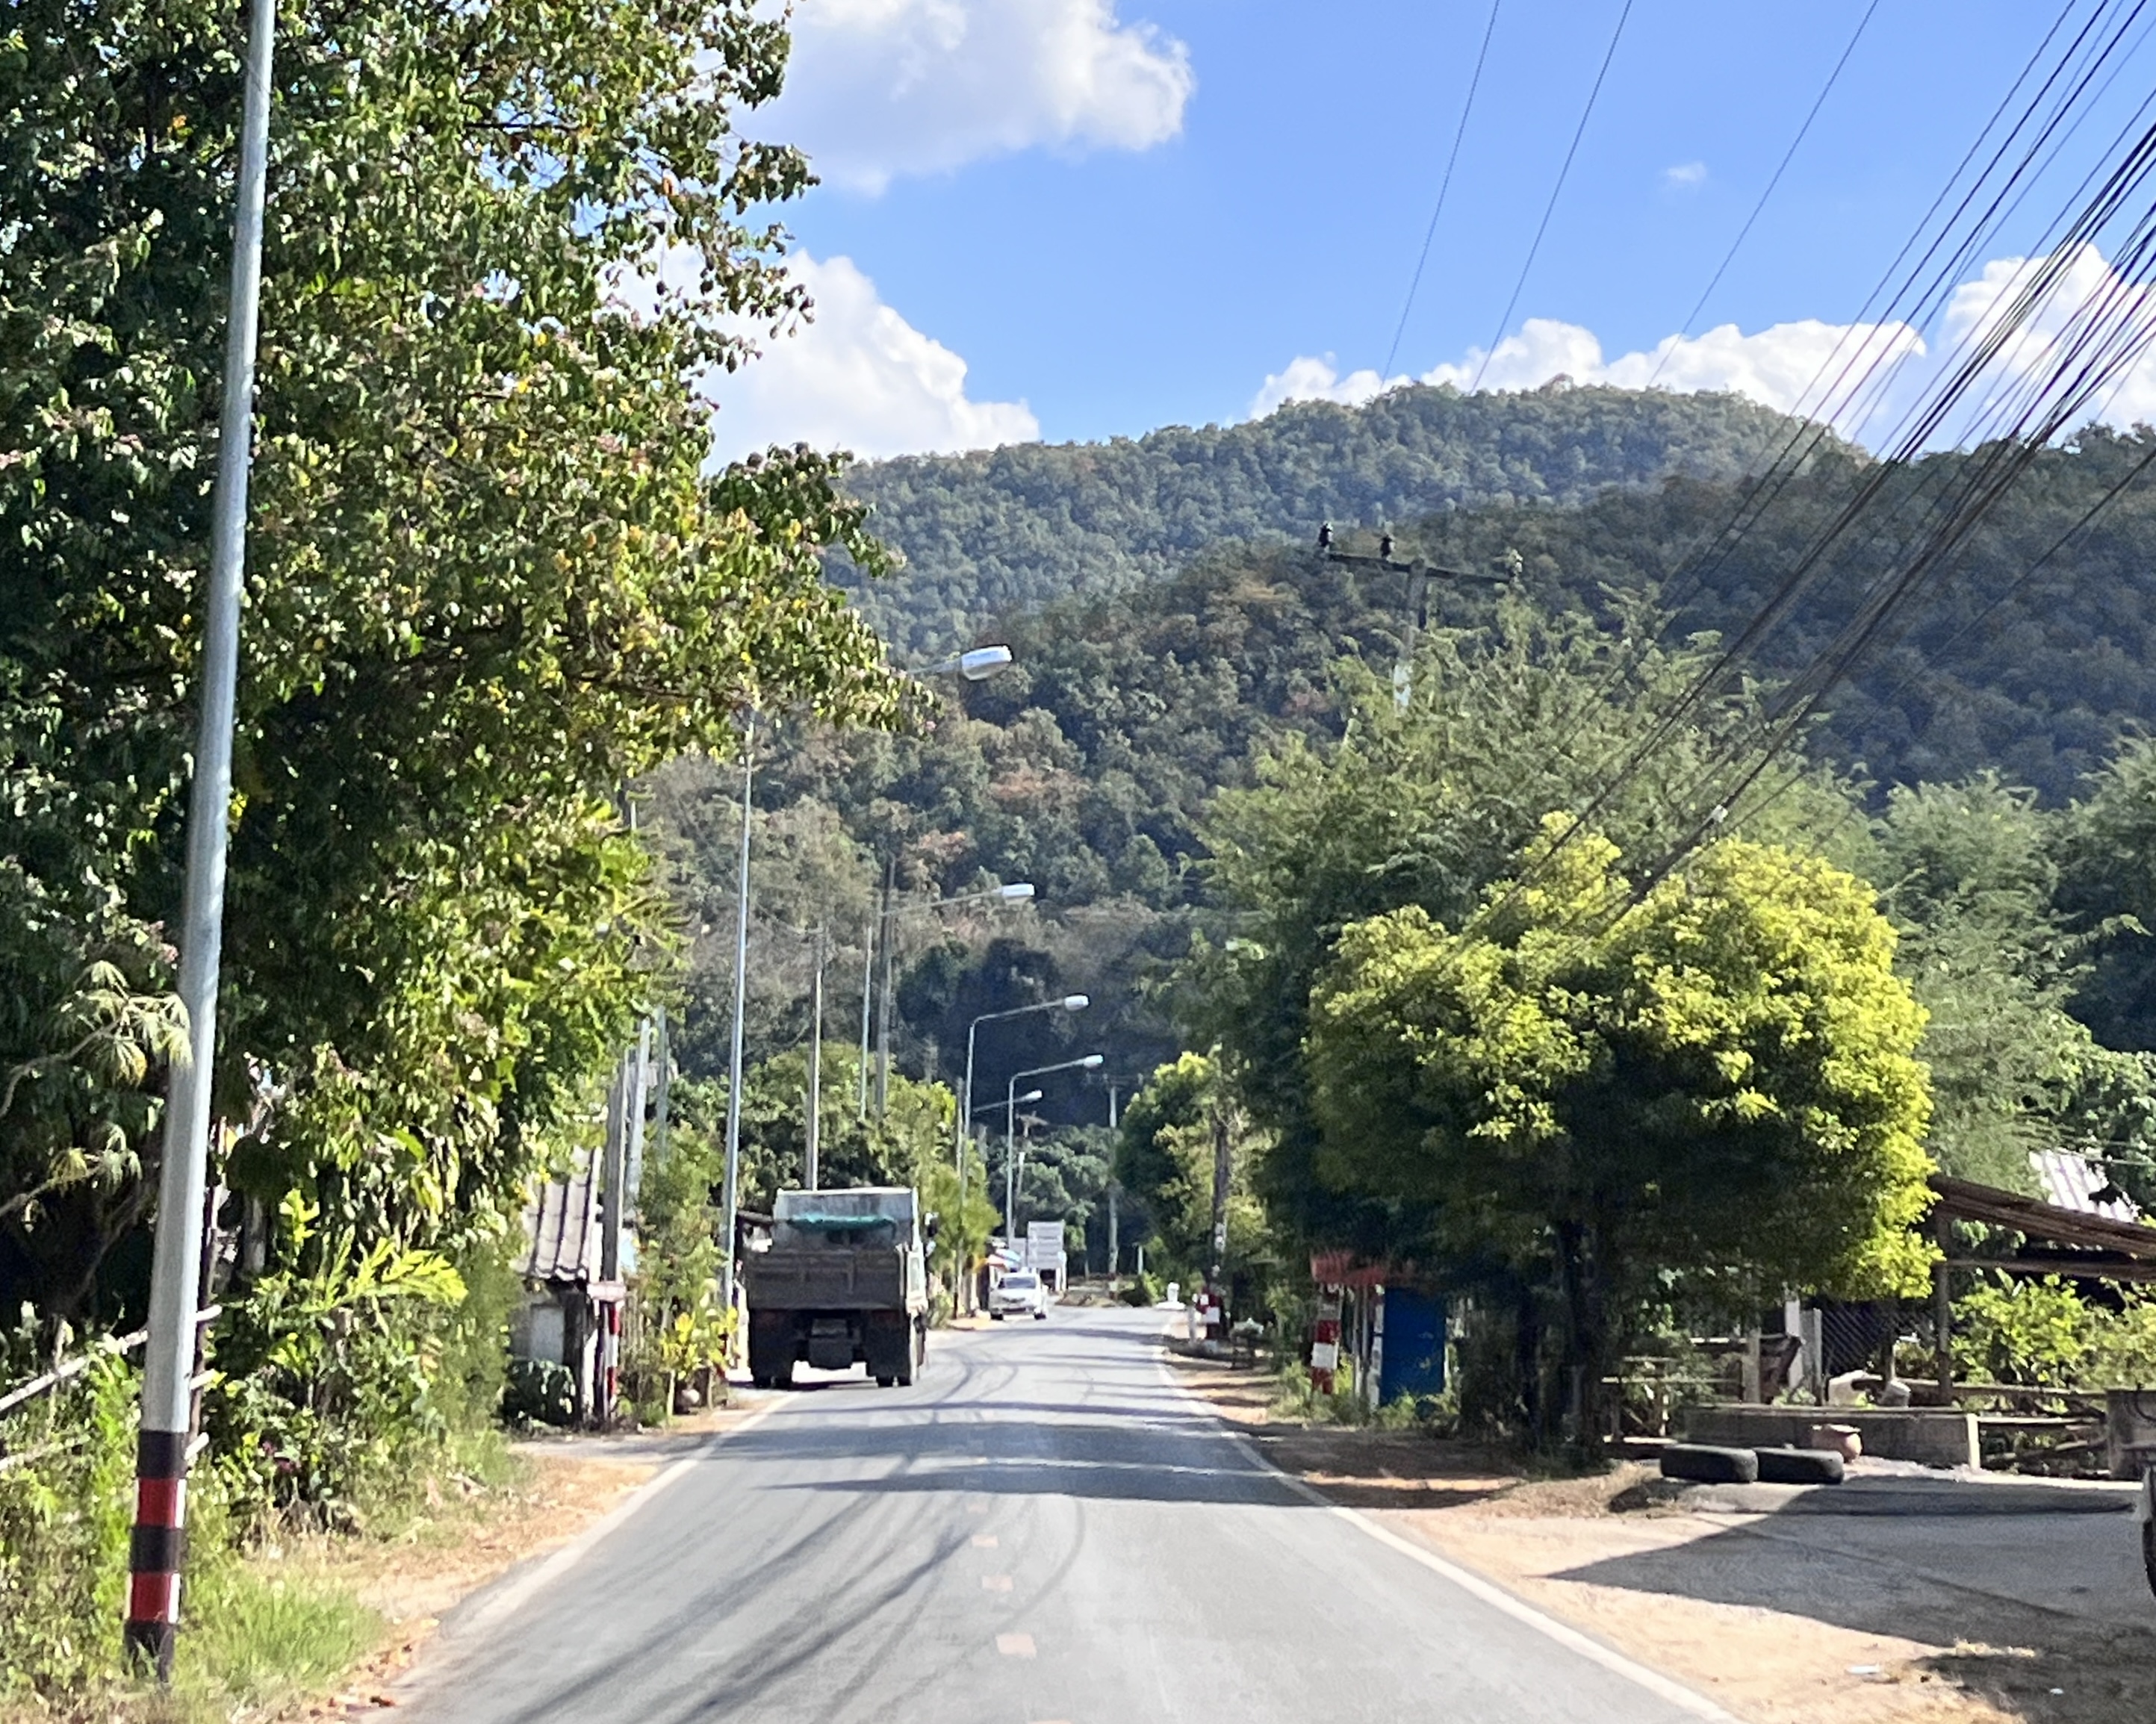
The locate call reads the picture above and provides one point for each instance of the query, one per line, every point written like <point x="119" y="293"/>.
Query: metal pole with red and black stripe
<point x="169" y="1364"/>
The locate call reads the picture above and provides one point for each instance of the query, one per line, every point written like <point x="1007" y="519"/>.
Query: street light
<point x="1092" y="1062"/>
<point x="977" y="664"/>
<point x="1018" y="892"/>
<point x="1025" y="1100"/>
<point x="1069" y="1002"/>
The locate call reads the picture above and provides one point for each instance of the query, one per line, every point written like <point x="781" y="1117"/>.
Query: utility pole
<point x="1222" y="1169"/>
<point x="730" y="1189"/>
<point x="1114" y="1252"/>
<point x="619" y="1171"/>
<point x="813" y="1122"/>
<point x="169" y="1360"/>
<point x="883" y="992"/>
<point x="868" y="993"/>
<point x="1419" y="577"/>
<point x="661" y="1102"/>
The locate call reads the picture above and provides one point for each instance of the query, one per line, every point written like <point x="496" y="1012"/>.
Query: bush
<point x="2044" y="1334"/>
<point x="1141" y="1290"/>
<point x="65" y="1519"/>
<point x="540" y="1392"/>
<point x="2031" y="1331"/>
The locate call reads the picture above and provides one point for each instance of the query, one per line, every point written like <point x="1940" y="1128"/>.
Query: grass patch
<point x="255" y="1638"/>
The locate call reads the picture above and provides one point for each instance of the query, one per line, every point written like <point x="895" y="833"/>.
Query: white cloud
<point x="1859" y="377"/>
<point x="858" y="377"/>
<point x="1782" y="367"/>
<point x="2088" y="289"/>
<point x="877" y="88"/>
<point x="1685" y="176"/>
<point x="1310" y="379"/>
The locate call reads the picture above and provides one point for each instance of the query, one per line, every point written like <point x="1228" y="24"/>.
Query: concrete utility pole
<point x="883" y="990"/>
<point x="868" y="994"/>
<point x="661" y="1102"/>
<point x="1114" y="1191"/>
<point x="812" y="1121"/>
<point x="1418" y="576"/>
<point x="1222" y="1170"/>
<point x="730" y="1188"/>
<point x="169" y="1361"/>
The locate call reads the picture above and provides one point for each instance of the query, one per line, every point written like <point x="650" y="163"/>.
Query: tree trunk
<point x="1585" y="1273"/>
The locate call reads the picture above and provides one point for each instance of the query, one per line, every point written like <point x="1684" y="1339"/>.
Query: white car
<point x="1018" y="1294"/>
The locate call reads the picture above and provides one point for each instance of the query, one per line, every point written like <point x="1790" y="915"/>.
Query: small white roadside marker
<point x="1014" y="1645"/>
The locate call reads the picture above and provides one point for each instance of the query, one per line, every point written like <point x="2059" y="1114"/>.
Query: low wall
<point x="1937" y="1436"/>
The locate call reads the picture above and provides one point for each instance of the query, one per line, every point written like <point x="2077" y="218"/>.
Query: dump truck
<point x="840" y="1278"/>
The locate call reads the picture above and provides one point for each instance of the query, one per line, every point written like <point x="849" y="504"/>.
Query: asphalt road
<point x="1044" y="1527"/>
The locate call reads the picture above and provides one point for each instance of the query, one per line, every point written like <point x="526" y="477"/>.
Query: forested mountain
<point x="1088" y="768"/>
<point x="1003" y="530"/>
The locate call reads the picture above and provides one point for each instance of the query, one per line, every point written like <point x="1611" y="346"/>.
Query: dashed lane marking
<point x="1016" y="1645"/>
<point x="985" y="1541"/>
<point x="995" y="1583"/>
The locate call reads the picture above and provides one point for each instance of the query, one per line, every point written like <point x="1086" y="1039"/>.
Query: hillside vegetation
<point x="999" y="531"/>
<point x="1951" y="773"/>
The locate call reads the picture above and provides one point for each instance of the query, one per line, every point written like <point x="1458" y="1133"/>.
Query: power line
<point x="2102" y="344"/>
<point x="1556" y="191"/>
<point x="1445" y="185"/>
<point x="1788" y="156"/>
<point x="1918" y="425"/>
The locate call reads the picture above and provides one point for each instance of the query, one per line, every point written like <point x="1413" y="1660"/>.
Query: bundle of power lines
<point x="2055" y="344"/>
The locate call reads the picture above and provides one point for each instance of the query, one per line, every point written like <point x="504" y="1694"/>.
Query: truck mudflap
<point x="770" y="1349"/>
<point x="891" y="1346"/>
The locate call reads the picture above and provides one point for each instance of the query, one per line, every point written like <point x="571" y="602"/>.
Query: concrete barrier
<point x="1937" y="1436"/>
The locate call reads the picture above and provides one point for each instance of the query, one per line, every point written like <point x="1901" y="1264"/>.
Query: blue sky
<point x="1117" y="216"/>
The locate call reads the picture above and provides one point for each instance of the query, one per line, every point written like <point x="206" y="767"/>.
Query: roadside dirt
<point x="1774" y="1633"/>
<point x="411" y="1583"/>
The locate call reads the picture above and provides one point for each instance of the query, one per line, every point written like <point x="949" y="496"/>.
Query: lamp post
<point x="880" y="940"/>
<point x="1092" y="1062"/>
<point x="1068" y="1002"/>
<point x="975" y="665"/>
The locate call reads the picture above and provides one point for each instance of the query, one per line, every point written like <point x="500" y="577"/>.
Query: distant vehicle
<point x="1019" y="1294"/>
<point x="844" y="1280"/>
<point x="1045" y="1254"/>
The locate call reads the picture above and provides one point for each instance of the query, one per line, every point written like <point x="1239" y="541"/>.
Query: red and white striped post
<point x="169" y="1363"/>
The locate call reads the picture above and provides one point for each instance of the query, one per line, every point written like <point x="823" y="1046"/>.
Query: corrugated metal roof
<point x="1965" y="1200"/>
<point x="561" y="1227"/>
<point x="2072" y="1182"/>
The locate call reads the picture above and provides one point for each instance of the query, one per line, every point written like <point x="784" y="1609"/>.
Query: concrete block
<point x="1936" y="1436"/>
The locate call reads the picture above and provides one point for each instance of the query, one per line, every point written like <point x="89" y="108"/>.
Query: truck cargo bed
<point x="782" y="1280"/>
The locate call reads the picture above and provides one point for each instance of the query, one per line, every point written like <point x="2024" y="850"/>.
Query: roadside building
<point x="569" y="1309"/>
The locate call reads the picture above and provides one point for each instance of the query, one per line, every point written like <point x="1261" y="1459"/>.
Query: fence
<point x="65" y="1371"/>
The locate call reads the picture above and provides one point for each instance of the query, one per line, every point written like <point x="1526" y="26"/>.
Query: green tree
<point x="490" y="578"/>
<point x="1167" y="1157"/>
<point x="1427" y="807"/>
<point x="1715" y="1089"/>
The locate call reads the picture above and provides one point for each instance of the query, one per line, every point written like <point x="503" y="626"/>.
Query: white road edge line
<point x="512" y="1592"/>
<point x="1688" y="1699"/>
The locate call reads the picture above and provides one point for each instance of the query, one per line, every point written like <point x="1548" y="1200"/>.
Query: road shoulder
<point x="1777" y="1630"/>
